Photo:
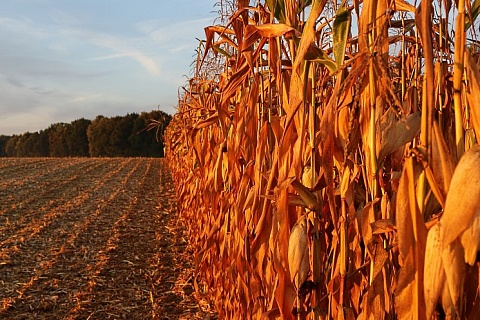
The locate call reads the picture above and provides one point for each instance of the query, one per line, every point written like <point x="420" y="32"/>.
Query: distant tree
<point x="38" y="145"/>
<point x="21" y="147"/>
<point x="120" y="136"/>
<point x="156" y="122"/>
<point x="123" y="131"/>
<point x="150" y="137"/>
<point x="137" y="137"/>
<point x="3" y="142"/>
<point x="76" y="138"/>
<point x="118" y="139"/>
<point x="25" y="145"/>
<point x="98" y="134"/>
<point x="57" y="139"/>
<point x="11" y="146"/>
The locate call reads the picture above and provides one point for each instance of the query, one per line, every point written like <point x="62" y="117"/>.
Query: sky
<point x="62" y="60"/>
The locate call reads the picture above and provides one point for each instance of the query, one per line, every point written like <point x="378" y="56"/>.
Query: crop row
<point x="81" y="238"/>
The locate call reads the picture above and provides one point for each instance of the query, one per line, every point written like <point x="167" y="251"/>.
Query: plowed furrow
<point x="98" y="240"/>
<point x="18" y="165"/>
<point x="37" y="245"/>
<point x="57" y="195"/>
<point x="39" y="188"/>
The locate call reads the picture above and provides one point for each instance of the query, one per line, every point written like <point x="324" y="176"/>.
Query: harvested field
<point x="86" y="238"/>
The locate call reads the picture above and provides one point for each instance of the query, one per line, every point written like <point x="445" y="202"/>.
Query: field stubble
<point x="85" y="238"/>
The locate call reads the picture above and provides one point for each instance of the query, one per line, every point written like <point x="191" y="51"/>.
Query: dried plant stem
<point x="372" y="134"/>
<point x="311" y="123"/>
<point x="414" y="212"/>
<point x="343" y="253"/>
<point x="457" y="77"/>
<point x="316" y="246"/>
<point x="402" y="68"/>
<point x="425" y="26"/>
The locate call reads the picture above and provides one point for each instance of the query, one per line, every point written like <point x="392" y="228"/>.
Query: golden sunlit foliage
<point x="318" y="168"/>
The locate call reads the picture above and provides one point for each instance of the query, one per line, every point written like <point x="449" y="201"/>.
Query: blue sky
<point x="62" y="60"/>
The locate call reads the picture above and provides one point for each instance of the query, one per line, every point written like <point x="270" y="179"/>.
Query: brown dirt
<point x="88" y="238"/>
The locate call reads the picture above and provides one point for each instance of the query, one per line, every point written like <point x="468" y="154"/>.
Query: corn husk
<point x="298" y="263"/>
<point x="434" y="273"/>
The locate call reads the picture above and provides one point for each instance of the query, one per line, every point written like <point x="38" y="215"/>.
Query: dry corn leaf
<point x="473" y="11"/>
<point x="308" y="34"/>
<point x="296" y="92"/>
<point x="461" y="206"/>
<point x="327" y="122"/>
<point x="271" y="314"/>
<point x="443" y="164"/>
<point x="269" y="30"/>
<point x="434" y="185"/>
<point x="398" y="134"/>
<point x="410" y="225"/>
<point x="345" y="182"/>
<point x="412" y="236"/>
<point x="343" y="123"/>
<point x="380" y="256"/>
<point x="234" y="82"/>
<point x="315" y="54"/>
<point x="296" y="200"/>
<point x="401" y="5"/>
<point x="365" y="218"/>
<point x="341" y="30"/>
<point x="285" y="296"/>
<point x="381" y="226"/>
<point x="206" y="122"/>
<point x="298" y="253"/>
<point x="222" y="31"/>
<point x="473" y="78"/>
<point x="318" y="259"/>
<point x="405" y="290"/>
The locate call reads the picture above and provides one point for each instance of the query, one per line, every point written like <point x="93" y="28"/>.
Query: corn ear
<point x="434" y="274"/>
<point x="298" y="253"/>
<point x="447" y="304"/>
<point x="470" y="240"/>
<point x="461" y="206"/>
<point x="454" y="266"/>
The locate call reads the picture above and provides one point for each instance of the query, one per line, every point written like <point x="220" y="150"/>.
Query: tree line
<point x="132" y="135"/>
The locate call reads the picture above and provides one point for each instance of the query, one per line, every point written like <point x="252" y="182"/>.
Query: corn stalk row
<point x="318" y="164"/>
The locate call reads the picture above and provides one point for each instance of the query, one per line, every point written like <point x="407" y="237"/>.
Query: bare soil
<point x="86" y="238"/>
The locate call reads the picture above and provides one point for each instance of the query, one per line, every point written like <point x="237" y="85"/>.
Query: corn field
<point x="326" y="156"/>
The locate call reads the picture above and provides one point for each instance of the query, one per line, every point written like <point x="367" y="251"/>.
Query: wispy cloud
<point x="110" y="56"/>
<point x="24" y="27"/>
<point x="63" y="18"/>
<point x="14" y="81"/>
<point x="71" y="33"/>
<point x="148" y="63"/>
<point x="86" y="97"/>
<point x="176" y="36"/>
<point x="122" y="47"/>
